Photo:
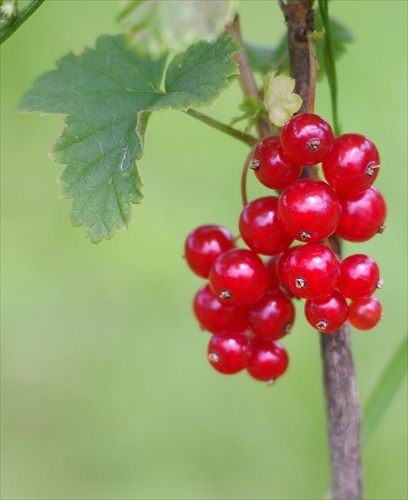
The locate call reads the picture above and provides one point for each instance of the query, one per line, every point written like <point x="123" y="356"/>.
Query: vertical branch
<point x="342" y="405"/>
<point x="246" y="77"/>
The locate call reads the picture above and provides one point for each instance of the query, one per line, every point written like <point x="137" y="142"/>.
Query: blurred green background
<point x="106" y="390"/>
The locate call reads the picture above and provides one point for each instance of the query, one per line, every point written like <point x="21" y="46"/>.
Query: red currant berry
<point x="203" y="245"/>
<point x="362" y="215"/>
<point x="274" y="281"/>
<point x="229" y="352"/>
<point x="352" y="164"/>
<point x="282" y="267"/>
<point x="307" y="139"/>
<point x="261" y="229"/>
<point x="268" y="361"/>
<point x="216" y="316"/>
<point x="309" y="210"/>
<point x="328" y="313"/>
<point x="364" y="314"/>
<point x="312" y="271"/>
<point x="272" y="167"/>
<point x="359" y="276"/>
<point x="272" y="316"/>
<point x="239" y="277"/>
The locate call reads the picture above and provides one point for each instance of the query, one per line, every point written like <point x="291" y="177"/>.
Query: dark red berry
<point x="364" y="314"/>
<point x="260" y="227"/>
<point x="312" y="271"/>
<point x="204" y="244"/>
<point x="272" y="317"/>
<point x="352" y="164"/>
<point x="309" y="210"/>
<point x="216" y="316"/>
<point x="359" y="276"/>
<point x="268" y="361"/>
<point x="306" y="139"/>
<point x="362" y="215"/>
<point x="274" y="281"/>
<point x="328" y="313"/>
<point x="282" y="268"/>
<point x="229" y="352"/>
<point x="272" y="167"/>
<point x="239" y="277"/>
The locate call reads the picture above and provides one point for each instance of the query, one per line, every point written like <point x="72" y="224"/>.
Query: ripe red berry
<point x="364" y="314"/>
<point x="274" y="281"/>
<point x="272" y="316"/>
<point x="309" y="210"/>
<point x="268" y="361"/>
<point x="328" y="313"/>
<point x="229" y="352"/>
<point x="312" y="271"/>
<point x="239" y="277"/>
<point x="216" y="316"/>
<point x="359" y="276"/>
<point x="203" y="245"/>
<point x="260" y="227"/>
<point x="306" y="139"/>
<point x="272" y="167"/>
<point x="362" y="215"/>
<point x="352" y="164"/>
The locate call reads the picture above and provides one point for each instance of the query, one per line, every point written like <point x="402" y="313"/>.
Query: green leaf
<point x="264" y="59"/>
<point x="157" y="26"/>
<point x="280" y="100"/>
<point x="385" y="389"/>
<point x="252" y="109"/>
<point x="108" y="94"/>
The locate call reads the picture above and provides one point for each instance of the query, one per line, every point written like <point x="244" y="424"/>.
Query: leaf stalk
<point x="21" y="17"/>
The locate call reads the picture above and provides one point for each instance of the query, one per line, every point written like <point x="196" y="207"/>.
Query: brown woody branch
<point x="342" y="405"/>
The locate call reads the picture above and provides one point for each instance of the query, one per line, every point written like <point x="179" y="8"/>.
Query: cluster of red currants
<point x="247" y="302"/>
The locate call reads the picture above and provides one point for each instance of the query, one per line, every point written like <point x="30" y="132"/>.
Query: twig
<point x="246" y="77"/>
<point x="342" y="405"/>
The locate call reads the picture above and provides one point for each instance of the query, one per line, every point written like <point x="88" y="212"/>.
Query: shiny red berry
<point x="307" y="139"/>
<point x="328" y="313"/>
<point x="364" y="314"/>
<point x="272" y="317"/>
<point x="203" y="245"/>
<point x="309" y="210"/>
<point x="352" y="164"/>
<point x="260" y="227"/>
<point x="216" y="316"/>
<point x="312" y="271"/>
<point x="239" y="277"/>
<point x="359" y="276"/>
<point x="268" y="361"/>
<point x="271" y="166"/>
<point x="362" y="215"/>
<point x="229" y="352"/>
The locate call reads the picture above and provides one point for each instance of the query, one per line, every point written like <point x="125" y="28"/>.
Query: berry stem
<point x="247" y="139"/>
<point x="21" y="17"/>
<point x="311" y="43"/>
<point x="342" y="404"/>
<point x="245" y="168"/>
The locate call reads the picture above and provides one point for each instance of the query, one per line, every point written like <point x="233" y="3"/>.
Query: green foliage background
<point x="106" y="391"/>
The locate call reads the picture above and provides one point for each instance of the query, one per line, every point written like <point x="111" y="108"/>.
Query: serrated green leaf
<point x="158" y="26"/>
<point x="280" y="100"/>
<point x="108" y="94"/>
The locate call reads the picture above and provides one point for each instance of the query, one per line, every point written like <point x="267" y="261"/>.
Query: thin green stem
<point x="245" y="168"/>
<point x="21" y="17"/>
<point x="249" y="140"/>
<point x="330" y="64"/>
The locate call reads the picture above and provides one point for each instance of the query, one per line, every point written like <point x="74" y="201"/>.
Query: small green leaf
<point x="385" y="389"/>
<point x="156" y="26"/>
<point x="280" y="100"/>
<point x="252" y="109"/>
<point x="108" y="94"/>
